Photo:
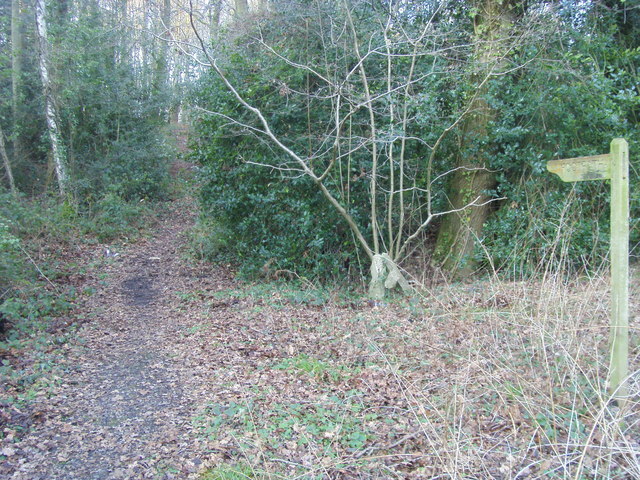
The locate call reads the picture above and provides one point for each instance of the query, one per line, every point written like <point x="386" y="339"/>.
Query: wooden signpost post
<point x="613" y="166"/>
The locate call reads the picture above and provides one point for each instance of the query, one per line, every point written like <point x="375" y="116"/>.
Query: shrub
<point x="547" y="114"/>
<point x="264" y="215"/>
<point x="112" y="217"/>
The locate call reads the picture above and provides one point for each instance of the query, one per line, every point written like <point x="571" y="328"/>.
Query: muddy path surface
<point x="124" y="406"/>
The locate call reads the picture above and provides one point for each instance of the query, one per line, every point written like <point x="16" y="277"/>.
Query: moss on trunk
<point x="458" y="232"/>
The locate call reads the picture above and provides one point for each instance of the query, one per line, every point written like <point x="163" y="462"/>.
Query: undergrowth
<point x="489" y="379"/>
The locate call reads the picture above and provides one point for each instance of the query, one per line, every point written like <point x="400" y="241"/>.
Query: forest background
<point x="386" y="133"/>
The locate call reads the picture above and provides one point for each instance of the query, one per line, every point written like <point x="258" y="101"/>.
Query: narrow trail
<point x="125" y="405"/>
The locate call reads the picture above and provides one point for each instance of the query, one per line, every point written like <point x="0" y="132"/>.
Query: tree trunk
<point x="242" y="7"/>
<point x="161" y="72"/>
<point x="166" y="74"/>
<point x="459" y="231"/>
<point x="16" y="77"/>
<point x="166" y="25"/>
<point x="215" y="9"/>
<point x="57" y="147"/>
<point x="7" y="164"/>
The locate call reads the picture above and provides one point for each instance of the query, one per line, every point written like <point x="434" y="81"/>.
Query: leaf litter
<point x="183" y="372"/>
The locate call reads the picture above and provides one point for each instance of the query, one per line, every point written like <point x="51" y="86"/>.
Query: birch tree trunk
<point x="457" y="235"/>
<point x="57" y="147"/>
<point x="16" y="76"/>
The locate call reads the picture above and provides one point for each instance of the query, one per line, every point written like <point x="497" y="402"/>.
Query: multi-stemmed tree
<point x="369" y="88"/>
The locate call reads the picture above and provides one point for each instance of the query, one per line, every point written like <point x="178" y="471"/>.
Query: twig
<point x="38" y="268"/>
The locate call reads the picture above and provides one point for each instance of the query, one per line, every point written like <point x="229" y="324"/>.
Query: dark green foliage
<point x="45" y="225"/>
<point x="28" y="127"/>
<point x="284" y="225"/>
<point x="571" y="87"/>
<point x="574" y="108"/>
<point x="266" y="216"/>
<point x="262" y="201"/>
<point x="35" y="239"/>
<point x="111" y="218"/>
<point x="134" y="167"/>
<point x="31" y="314"/>
<point x="109" y="119"/>
<point x="108" y="112"/>
<point x="10" y="261"/>
<point x="40" y="219"/>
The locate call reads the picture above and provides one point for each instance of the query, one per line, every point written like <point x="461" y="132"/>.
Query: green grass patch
<point x="319" y="369"/>
<point x="232" y="472"/>
<point x="337" y="425"/>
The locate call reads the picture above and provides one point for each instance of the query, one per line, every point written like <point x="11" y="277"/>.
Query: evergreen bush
<point x="555" y="113"/>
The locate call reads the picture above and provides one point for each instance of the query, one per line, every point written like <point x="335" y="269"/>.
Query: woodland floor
<point x="179" y="371"/>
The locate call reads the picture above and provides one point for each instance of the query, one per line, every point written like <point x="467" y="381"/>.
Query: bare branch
<point x="291" y="63"/>
<point x="275" y="167"/>
<point x="431" y="216"/>
<point x="269" y="133"/>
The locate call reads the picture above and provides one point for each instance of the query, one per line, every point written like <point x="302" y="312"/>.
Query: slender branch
<point x="278" y="168"/>
<point x="392" y="169"/>
<point x="269" y="133"/>
<point x="372" y="125"/>
<point x="38" y="268"/>
<point x="405" y="116"/>
<point x="431" y="216"/>
<point x="291" y="63"/>
<point x="232" y="121"/>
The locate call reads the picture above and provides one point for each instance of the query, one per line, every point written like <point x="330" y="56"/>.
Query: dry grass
<point x="486" y="380"/>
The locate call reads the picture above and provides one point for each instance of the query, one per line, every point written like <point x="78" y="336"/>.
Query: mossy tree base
<point x="456" y="240"/>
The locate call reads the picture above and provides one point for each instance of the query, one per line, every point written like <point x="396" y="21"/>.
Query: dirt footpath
<point x="124" y="406"/>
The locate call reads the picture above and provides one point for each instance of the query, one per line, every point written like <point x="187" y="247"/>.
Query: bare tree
<point x="401" y="188"/>
<point x="57" y="147"/>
